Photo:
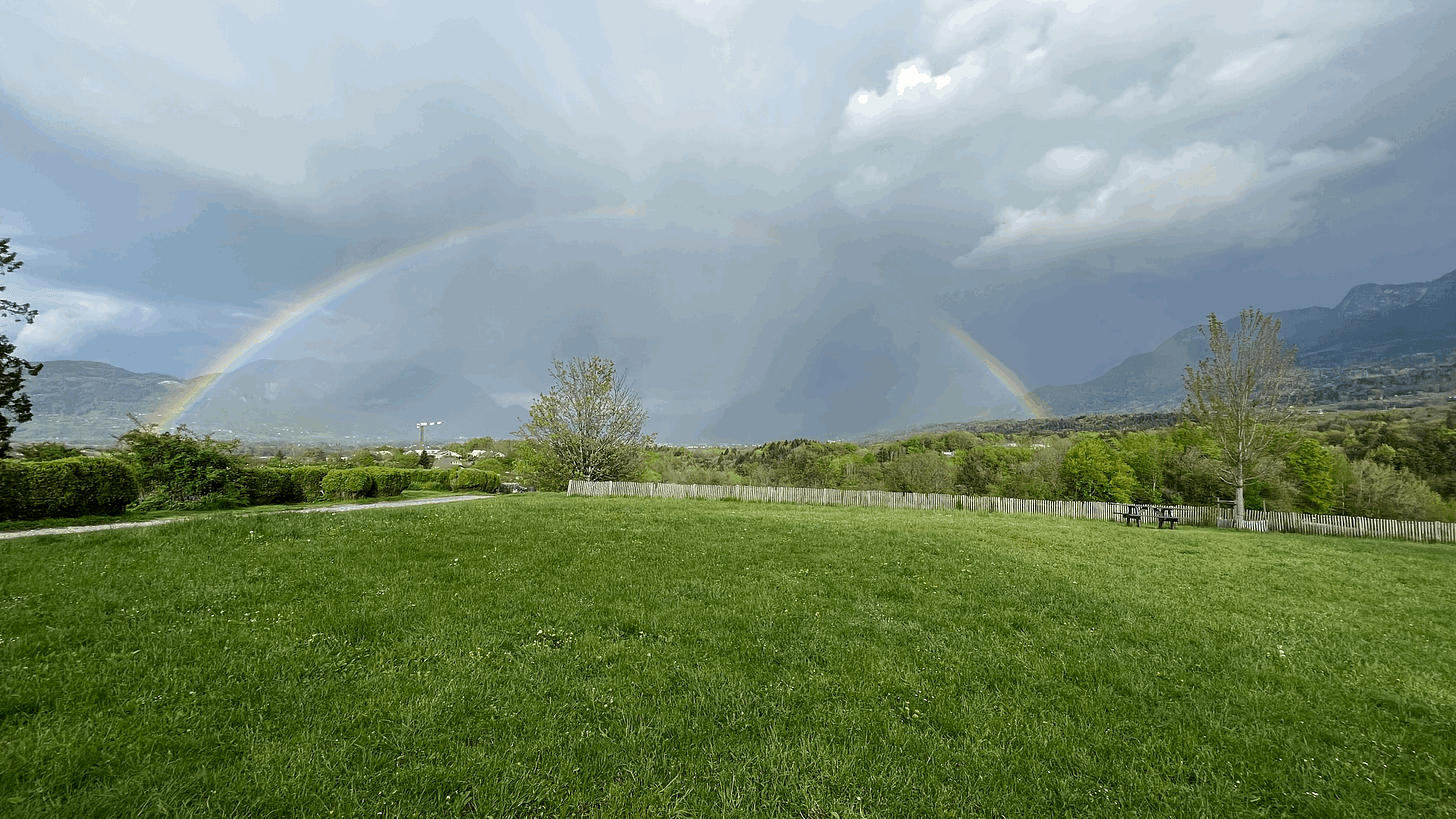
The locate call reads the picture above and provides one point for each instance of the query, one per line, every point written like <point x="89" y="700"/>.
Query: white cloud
<point x="1063" y="167"/>
<point x="1088" y="59"/>
<point x="69" y="318"/>
<point x="1202" y="192"/>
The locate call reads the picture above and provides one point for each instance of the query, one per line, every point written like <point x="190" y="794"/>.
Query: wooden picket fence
<point x="1426" y="531"/>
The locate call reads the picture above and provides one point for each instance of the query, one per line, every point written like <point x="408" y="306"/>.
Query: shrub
<point x="307" y="481"/>
<point x="270" y="484"/>
<point x="348" y="484"/>
<point x="66" y="488"/>
<point x="475" y="480"/>
<point x="389" y="482"/>
<point x="429" y="479"/>
<point x="178" y="470"/>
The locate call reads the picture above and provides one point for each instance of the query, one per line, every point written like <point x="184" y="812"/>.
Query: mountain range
<point x="299" y="400"/>
<point x="312" y="400"/>
<point x="1374" y="322"/>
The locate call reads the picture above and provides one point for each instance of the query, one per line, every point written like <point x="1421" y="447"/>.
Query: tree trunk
<point x="1239" y="505"/>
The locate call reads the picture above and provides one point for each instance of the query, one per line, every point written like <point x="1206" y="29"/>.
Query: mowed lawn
<point x="560" y="656"/>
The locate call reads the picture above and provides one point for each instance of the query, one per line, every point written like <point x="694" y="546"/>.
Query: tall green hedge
<point x="429" y="478"/>
<point x="477" y="480"/>
<point x="389" y="482"/>
<point x="14" y="485"/>
<point x="270" y="484"/>
<point x="348" y="484"/>
<point x="308" y="480"/>
<point x="66" y="488"/>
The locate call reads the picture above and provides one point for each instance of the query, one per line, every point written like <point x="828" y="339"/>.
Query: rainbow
<point x="1003" y="373"/>
<point x="342" y="282"/>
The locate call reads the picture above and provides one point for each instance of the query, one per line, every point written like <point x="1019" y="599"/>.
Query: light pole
<point x="422" y="426"/>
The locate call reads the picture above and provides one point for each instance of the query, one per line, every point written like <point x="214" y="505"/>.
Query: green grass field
<point x="556" y="656"/>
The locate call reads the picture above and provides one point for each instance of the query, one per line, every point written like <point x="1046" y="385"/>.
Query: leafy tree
<point x="1033" y="472"/>
<point x="1375" y="490"/>
<point x="362" y="458"/>
<point x="922" y="472"/>
<point x="485" y="443"/>
<point x="975" y="474"/>
<point x="403" y="460"/>
<point x="1148" y="455"/>
<point x="1435" y="456"/>
<point x="589" y="427"/>
<point x="1091" y="471"/>
<point x="14" y="404"/>
<point x="1242" y="396"/>
<point x="1312" y="468"/>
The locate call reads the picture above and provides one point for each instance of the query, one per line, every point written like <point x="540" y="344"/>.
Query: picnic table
<point x="1137" y="511"/>
<point x="1166" y="514"/>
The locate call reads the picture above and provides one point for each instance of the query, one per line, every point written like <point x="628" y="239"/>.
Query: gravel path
<point x="66" y="530"/>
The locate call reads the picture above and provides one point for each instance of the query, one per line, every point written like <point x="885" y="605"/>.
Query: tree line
<point x="1369" y="465"/>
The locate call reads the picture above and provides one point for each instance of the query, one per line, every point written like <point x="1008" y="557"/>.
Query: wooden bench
<point x="1134" y="513"/>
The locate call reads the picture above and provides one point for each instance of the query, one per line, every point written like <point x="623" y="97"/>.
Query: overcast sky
<point x="771" y="214"/>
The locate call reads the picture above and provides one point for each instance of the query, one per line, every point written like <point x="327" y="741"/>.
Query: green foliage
<point x="14" y="489"/>
<point x="307" y="481"/>
<point x="475" y="480"/>
<point x="485" y="444"/>
<point x="923" y="471"/>
<point x="178" y="470"/>
<point x="48" y="451"/>
<point x="1433" y="455"/>
<point x="1375" y="490"/>
<point x="348" y="484"/>
<point x="430" y="479"/>
<point x="1311" y="468"/>
<point x="389" y="482"/>
<point x="1148" y="455"/>
<point x="403" y="460"/>
<point x="976" y="474"/>
<point x="1091" y="471"/>
<point x="14" y="404"/>
<point x="362" y="458"/>
<point x="588" y="427"/>
<point x="66" y="488"/>
<point x="269" y="485"/>
<point x="1030" y="471"/>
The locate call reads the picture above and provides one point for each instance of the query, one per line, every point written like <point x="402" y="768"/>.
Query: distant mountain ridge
<point x="1373" y="322"/>
<point x="88" y="401"/>
<point x="299" y="400"/>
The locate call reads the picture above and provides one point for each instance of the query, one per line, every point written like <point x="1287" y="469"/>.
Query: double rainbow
<point x="353" y="277"/>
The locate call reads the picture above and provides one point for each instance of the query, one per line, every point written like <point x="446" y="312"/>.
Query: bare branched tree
<point x="1243" y="395"/>
<point x="589" y="427"/>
